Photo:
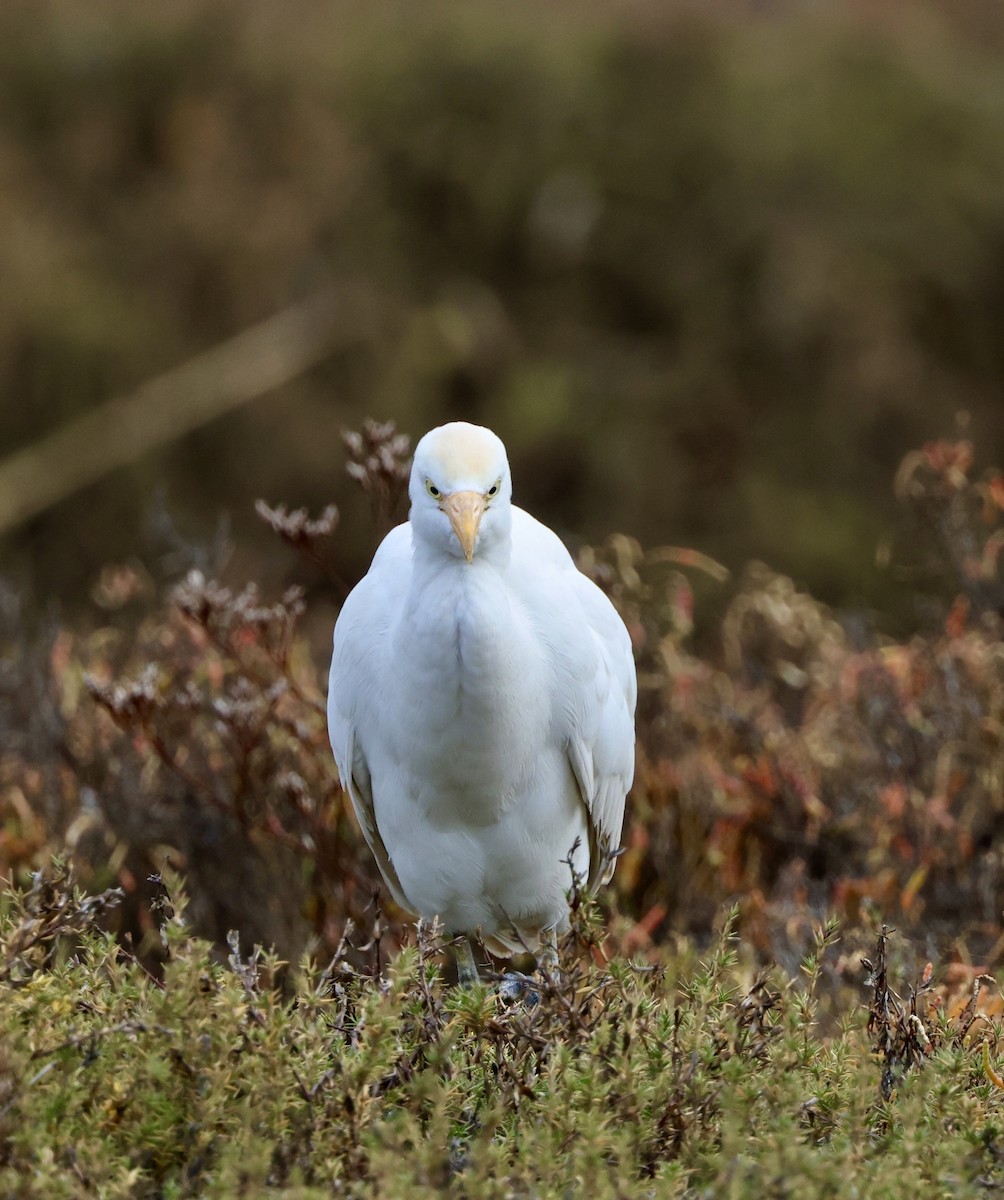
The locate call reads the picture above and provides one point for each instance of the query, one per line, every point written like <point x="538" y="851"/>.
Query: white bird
<point x="481" y="707"/>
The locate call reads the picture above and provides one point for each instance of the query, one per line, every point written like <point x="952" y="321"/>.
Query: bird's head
<point x="461" y="489"/>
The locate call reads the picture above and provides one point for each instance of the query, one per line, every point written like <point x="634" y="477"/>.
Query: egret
<point x="481" y="708"/>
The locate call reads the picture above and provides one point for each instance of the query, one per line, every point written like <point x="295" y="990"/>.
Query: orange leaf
<point x="955" y="623"/>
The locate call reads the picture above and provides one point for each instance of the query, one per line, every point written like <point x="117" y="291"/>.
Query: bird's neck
<point x="464" y="635"/>
<point x="454" y="603"/>
<point x="432" y="566"/>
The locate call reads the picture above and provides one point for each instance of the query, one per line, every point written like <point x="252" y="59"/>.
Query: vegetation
<point x="805" y="766"/>
<point x="151" y="1048"/>
<point x="681" y="1078"/>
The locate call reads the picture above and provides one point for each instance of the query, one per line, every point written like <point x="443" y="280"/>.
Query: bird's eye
<point x="431" y="488"/>
<point x="494" y="489"/>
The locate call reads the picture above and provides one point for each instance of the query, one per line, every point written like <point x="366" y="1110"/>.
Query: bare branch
<point x="247" y="366"/>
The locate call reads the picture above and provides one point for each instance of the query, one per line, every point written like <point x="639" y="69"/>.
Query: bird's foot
<point x="517" y="988"/>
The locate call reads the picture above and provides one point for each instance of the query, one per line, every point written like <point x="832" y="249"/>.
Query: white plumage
<point x="481" y="704"/>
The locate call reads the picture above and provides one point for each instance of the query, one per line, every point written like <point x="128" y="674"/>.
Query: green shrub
<point x="690" y="1076"/>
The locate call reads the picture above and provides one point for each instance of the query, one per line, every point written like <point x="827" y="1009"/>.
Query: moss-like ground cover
<point x="692" y="1077"/>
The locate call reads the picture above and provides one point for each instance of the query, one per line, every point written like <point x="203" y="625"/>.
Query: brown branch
<point x="119" y="431"/>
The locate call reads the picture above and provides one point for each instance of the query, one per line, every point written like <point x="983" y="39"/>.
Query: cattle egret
<point x="481" y="707"/>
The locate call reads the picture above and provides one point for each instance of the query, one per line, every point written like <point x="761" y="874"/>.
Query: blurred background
<point x="710" y="270"/>
<point x="720" y="274"/>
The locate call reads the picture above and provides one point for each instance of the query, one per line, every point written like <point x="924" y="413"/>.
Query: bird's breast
<point x="476" y="713"/>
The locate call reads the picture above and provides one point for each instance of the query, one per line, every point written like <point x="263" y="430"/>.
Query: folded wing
<point x="594" y="682"/>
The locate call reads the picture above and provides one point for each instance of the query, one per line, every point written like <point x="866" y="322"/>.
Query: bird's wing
<point x="602" y="736"/>
<point x="594" y="680"/>
<point x="359" y="641"/>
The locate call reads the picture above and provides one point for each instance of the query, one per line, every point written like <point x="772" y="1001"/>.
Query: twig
<point x="82" y="1039"/>
<point x="246" y="366"/>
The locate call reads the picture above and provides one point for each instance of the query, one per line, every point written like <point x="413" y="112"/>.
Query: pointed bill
<point x="465" y="510"/>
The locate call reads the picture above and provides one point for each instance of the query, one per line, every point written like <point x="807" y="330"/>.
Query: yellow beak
<point x="465" y="510"/>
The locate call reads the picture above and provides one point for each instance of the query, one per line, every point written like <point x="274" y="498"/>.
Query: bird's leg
<point x="547" y="957"/>
<point x="467" y="968"/>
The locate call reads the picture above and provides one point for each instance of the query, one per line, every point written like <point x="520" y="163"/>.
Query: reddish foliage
<point x="796" y="770"/>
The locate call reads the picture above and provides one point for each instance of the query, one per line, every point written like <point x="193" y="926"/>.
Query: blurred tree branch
<point x="246" y="366"/>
